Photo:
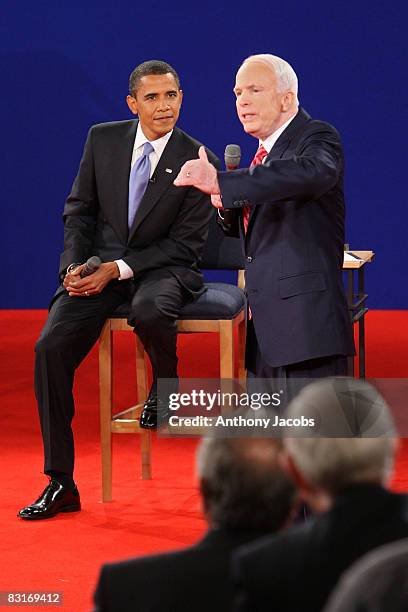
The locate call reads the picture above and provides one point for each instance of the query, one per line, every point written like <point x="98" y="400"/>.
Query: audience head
<point x="242" y="484"/>
<point x="354" y="440"/>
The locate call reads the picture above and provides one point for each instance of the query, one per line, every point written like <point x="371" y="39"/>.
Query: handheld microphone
<point x="91" y="266"/>
<point x="232" y="157"/>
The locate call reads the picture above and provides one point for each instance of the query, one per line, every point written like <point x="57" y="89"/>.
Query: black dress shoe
<point x="55" y="498"/>
<point x="153" y="410"/>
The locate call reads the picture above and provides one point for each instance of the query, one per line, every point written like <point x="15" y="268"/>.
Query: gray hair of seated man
<point x="242" y="484"/>
<point x="354" y="439"/>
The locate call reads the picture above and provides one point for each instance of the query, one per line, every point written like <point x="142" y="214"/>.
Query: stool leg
<point x="141" y="372"/>
<point x="105" y="407"/>
<point x="226" y="360"/>
<point x="241" y="350"/>
<point x="145" y="436"/>
<point x="226" y="350"/>
<point x="145" y="446"/>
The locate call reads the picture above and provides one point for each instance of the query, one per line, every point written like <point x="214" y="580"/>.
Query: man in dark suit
<point x="289" y="209"/>
<point x="341" y="469"/>
<point x="123" y="208"/>
<point x="245" y="495"/>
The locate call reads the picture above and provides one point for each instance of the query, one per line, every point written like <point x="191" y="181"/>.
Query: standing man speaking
<point x="289" y="209"/>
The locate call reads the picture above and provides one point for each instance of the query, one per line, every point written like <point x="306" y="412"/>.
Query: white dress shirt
<point x="270" y="141"/>
<point x="158" y="145"/>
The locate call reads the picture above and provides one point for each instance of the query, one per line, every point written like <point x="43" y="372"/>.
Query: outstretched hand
<point x="199" y="173"/>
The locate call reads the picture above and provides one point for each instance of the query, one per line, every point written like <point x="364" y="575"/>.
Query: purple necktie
<point x="139" y="177"/>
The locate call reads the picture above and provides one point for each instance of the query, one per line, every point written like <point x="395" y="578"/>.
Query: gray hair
<point x="243" y="485"/>
<point x="285" y="75"/>
<point x="355" y="438"/>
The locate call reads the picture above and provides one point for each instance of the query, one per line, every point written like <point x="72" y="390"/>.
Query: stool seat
<point x="219" y="301"/>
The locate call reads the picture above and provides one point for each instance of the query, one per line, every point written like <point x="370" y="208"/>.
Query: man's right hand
<point x="200" y="173"/>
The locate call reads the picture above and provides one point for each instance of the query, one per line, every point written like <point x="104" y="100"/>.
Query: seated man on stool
<point x="124" y="209"/>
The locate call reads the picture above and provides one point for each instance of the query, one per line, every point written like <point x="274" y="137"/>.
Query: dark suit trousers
<point x="72" y="328"/>
<point x="264" y="378"/>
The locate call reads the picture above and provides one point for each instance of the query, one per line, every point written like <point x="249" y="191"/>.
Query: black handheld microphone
<point x="232" y="157"/>
<point x="91" y="266"/>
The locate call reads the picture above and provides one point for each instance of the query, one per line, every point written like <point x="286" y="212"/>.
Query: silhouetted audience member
<point x="341" y="466"/>
<point x="376" y="583"/>
<point x="245" y="494"/>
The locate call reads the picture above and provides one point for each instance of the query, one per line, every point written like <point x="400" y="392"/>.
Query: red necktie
<point x="258" y="159"/>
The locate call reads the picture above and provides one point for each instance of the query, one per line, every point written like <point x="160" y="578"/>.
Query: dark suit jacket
<point x="297" y="570"/>
<point x="171" y="223"/>
<point x="294" y="244"/>
<point x="190" y="580"/>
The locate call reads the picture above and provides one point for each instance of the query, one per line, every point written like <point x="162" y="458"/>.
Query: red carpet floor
<point x="65" y="553"/>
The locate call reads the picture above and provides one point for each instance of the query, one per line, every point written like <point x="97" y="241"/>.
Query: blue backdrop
<point x="65" y="66"/>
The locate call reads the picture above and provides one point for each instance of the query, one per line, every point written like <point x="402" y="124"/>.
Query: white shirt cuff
<point x="124" y="270"/>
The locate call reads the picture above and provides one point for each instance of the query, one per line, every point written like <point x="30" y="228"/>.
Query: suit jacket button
<point x="249" y="259"/>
